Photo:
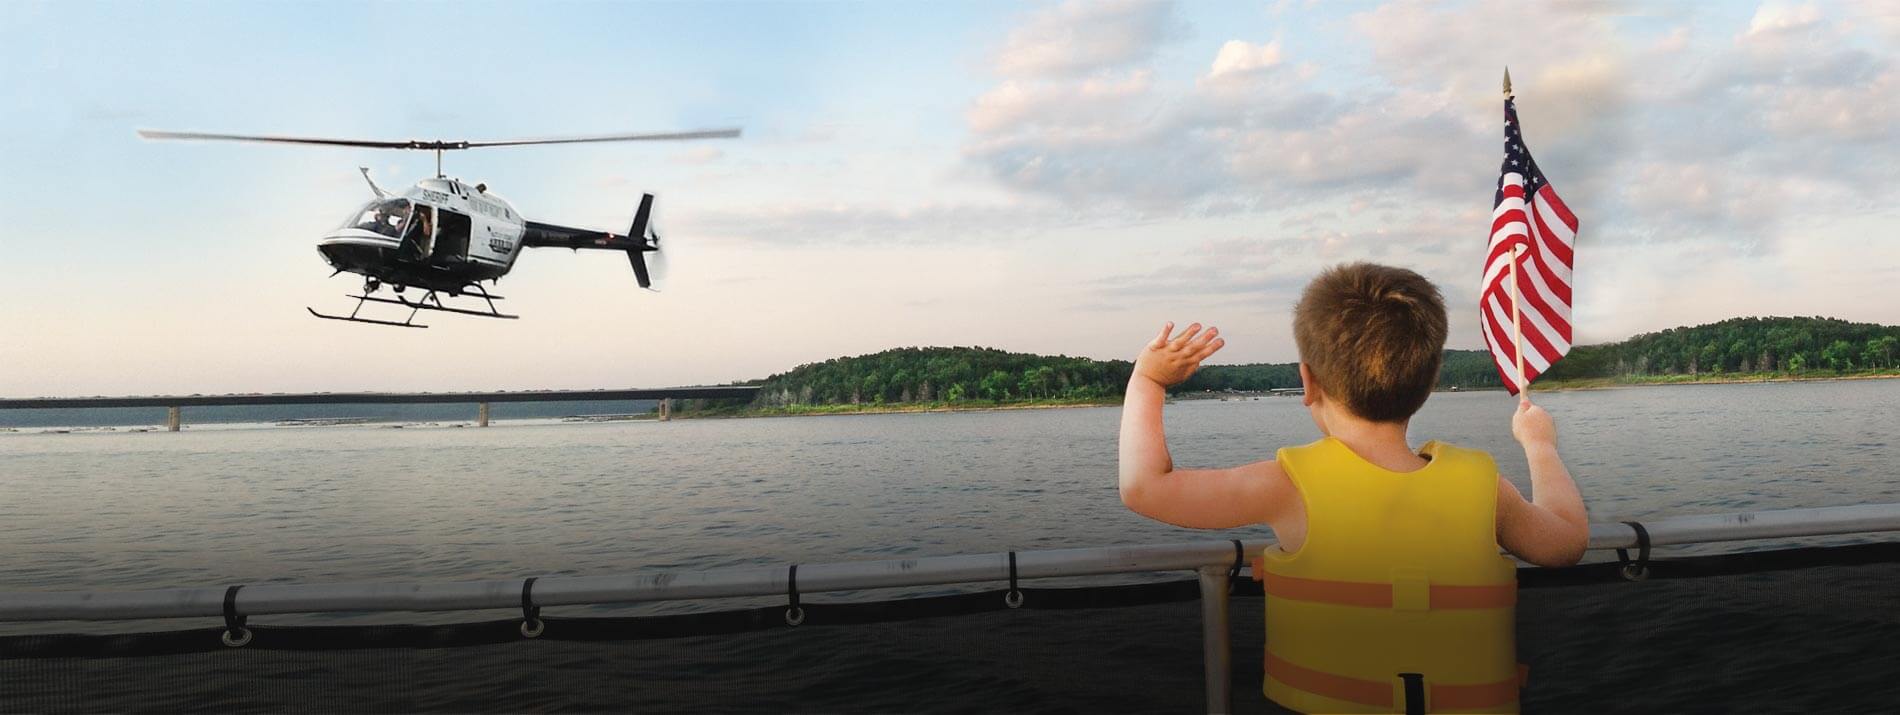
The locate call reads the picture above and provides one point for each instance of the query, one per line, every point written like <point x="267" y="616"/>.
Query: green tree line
<point x="1463" y="369"/>
<point x="1740" y="345"/>
<point x="972" y="374"/>
<point x="951" y="375"/>
<point x="944" y="375"/>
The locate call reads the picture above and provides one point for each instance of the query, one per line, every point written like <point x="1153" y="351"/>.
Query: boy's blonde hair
<point x="1374" y="338"/>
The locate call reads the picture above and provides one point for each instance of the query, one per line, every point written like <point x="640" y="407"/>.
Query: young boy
<point x="1386" y="588"/>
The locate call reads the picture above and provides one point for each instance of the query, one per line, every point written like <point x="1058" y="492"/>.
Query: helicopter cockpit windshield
<point x="385" y="216"/>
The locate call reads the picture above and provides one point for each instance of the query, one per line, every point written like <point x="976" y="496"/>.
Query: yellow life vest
<point x="1399" y="590"/>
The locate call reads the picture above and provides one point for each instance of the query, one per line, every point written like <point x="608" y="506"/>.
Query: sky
<point x="1050" y="177"/>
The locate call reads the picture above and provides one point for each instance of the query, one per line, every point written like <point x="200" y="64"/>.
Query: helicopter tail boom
<point x="639" y="240"/>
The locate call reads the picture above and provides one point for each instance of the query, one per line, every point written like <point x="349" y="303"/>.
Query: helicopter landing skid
<point x="352" y="318"/>
<point x="429" y="301"/>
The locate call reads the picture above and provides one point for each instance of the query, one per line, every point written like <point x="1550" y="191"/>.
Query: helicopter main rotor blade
<point x="662" y="136"/>
<point x="443" y="145"/>
<point x="201" y="136"/>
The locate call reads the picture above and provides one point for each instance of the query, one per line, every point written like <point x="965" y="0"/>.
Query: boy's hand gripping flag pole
<point x="1527" y="266"/>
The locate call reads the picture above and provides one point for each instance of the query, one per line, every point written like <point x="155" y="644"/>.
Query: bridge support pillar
<point x="171" y="419"/>
<point x="666" y="408"/>
<point x="481" y="415"/>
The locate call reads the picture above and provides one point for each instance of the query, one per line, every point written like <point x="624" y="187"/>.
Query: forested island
<point x="904" y="379"/>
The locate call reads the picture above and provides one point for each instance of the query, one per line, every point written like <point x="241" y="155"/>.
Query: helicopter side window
<point x="385" y="216"/>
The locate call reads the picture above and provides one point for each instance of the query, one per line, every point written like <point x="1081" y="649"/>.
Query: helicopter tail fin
<point x="642" y="241"/>
<point x="639" y="267"/>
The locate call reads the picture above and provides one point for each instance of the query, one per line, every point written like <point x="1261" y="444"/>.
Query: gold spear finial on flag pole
<point x="1507" y="81"/>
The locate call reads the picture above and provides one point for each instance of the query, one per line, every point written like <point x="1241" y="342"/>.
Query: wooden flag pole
<point x="1517" y="327"/>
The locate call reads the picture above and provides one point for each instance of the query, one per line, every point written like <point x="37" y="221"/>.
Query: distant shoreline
<point x="1605" y="383"/>
<point x="841" y="410"/>
<point x="927" y="408"/>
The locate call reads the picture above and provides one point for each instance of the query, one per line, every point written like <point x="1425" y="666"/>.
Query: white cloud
<point x="1462" y="49"/>
<point x="1881" y="17"/>
<point x="1241" y="57"/>
<point x="1777" y="18"/>
<point x="1864" y="112"/>
<point x="1092" y="106"/>
<point x="1083" y="36"/>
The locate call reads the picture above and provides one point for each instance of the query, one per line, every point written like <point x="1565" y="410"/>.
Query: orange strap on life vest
<point x="1380" y="595"/>
<point x="1443" y="697"/>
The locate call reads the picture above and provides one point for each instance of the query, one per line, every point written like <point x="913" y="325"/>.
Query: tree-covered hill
<point x="955" y="375"/>
<point x="986" y="375"/>
<point x="1739" y="345"/>
<point x="1463" y="369"/>
<point x="944" y="375"/>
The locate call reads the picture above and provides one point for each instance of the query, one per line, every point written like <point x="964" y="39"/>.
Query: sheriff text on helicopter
<point x="444" y="236"/>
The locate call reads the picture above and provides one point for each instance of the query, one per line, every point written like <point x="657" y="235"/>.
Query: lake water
<point x="208" y="507"/>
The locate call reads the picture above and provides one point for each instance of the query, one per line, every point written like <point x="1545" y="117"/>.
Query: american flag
<point x="1529" y="221"/>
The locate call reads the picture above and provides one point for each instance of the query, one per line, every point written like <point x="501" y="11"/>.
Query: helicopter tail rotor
<point x="658" y="263"/>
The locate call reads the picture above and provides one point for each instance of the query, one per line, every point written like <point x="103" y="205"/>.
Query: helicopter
<point x="445" y="236"/>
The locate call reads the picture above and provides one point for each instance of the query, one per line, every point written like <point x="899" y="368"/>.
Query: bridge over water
<point x="175" y="403"/>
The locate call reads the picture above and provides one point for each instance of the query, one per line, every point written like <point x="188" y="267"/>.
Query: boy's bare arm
<point x="1195" y="498"/>
<point x="1552" y="529"/>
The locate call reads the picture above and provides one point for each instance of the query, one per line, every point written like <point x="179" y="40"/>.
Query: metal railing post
<point x="1216" y="650"/>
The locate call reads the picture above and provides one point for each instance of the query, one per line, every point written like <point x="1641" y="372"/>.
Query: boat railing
<point x="1215" y="562"/>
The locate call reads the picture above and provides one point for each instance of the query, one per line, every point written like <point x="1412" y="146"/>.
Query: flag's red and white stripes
<point x="1541" y="233"/>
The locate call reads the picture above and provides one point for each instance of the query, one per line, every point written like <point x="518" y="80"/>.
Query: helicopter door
<point x="451" y="237"/>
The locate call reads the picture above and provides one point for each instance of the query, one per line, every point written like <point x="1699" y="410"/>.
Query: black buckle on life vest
<point x="1639" y="569"/>
<point x="794" y="614"/>
<point x="531" y="623"/>
<point x="235" y="634"/>
<point x="1414" y="693"/>
<point x="1014" y="596"/>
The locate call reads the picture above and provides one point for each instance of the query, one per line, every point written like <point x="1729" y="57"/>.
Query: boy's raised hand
<point x="1171" y="361"/>
<point x="1531" y="425"/>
